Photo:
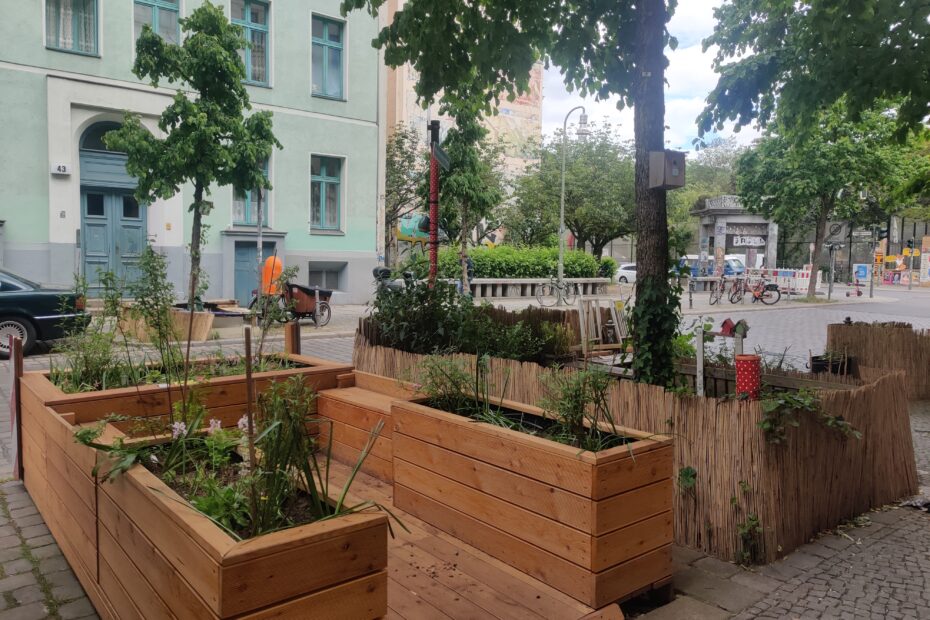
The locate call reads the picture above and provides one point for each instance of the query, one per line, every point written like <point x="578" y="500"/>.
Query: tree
<point x="798" y="58"/>
<point x="473" y="186"/>
<point x="405" y="168"/>
<point x="207" y="138"/>
<point x="598" y="188"/>
<point x="808" y="180"/>
<point x="485" y="50"/>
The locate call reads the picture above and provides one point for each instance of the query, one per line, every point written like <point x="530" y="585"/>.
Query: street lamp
<point x="581" y="131"/>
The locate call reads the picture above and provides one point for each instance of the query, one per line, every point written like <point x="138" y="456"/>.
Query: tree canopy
<point x="828" y="173"/>
<point x="599" y="193"/>
<point x="798" y="58"/>
<point x="405" y="169"/>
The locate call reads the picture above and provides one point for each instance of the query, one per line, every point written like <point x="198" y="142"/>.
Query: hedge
<point x="510" y="262"/>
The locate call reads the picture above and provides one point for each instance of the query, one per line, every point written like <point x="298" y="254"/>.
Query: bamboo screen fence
<point x="888" y="346"/>
<point x="812" y="483"/>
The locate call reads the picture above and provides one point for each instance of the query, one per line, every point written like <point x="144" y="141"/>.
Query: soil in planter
<point x="536" y="425"/>
<point x="120" y="374"/>
<point x="220" y="493"/>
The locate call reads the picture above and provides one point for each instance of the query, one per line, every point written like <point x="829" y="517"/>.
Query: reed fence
<point x="889" y="346"/>
<point x="813" y="482"/>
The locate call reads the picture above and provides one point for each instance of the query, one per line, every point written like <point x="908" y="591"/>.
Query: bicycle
<point x="739" y="288"/>
<point x="767" y="293"/>
<point x="716" y="290"/>
<point x="549" y="294"/>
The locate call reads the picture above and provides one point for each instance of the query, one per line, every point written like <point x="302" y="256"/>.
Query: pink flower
<point x="178" y="429"/>
<point x="215" y="425"/>
<point x="243" y="424"/>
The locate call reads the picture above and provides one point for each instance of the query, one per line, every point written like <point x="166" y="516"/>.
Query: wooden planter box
<point x="597" y="526"/>
<point x="224" y="397"/>
<point x="352" y="410"/>
<point x="141" y="551"/>
<point x="203" y="326"/>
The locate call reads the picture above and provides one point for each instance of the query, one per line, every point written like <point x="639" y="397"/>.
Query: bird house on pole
<point x="666" y="169"/>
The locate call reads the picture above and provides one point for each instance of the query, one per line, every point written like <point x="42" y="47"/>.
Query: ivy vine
<point x="780" y="410"/>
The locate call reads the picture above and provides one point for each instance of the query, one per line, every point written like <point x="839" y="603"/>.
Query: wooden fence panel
<point x="887" y="346"/>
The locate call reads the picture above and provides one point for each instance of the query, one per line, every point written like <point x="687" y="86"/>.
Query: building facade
<point x="726" y="228"/>
<point x="65" y="79"/>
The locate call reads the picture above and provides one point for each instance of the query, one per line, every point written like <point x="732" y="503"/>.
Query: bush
<point x="511" y="262"/>
<point x="607" y="268"/>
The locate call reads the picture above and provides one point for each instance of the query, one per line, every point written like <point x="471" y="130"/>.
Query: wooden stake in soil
<point x="16" y="357"/>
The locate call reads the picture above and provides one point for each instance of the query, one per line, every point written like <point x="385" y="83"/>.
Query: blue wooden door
<point x="113" y="234"/>
<point x="246" y="271"/>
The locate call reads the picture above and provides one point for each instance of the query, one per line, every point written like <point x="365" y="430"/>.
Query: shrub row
<point x="511" y="262"/>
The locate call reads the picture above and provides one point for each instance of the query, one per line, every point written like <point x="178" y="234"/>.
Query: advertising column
<point x="925" y="262"/>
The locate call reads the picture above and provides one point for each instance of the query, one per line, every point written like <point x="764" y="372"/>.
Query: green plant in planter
<point x="780" y="410"/>
<point x="579" y="402"/>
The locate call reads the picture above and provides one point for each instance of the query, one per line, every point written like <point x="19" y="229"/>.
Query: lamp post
<point x="582" y="131"/>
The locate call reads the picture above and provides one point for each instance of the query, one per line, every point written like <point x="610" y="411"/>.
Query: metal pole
<point x="871" y="270"/>
<point x="433" y="200"/>
<point x="561" y="272"/>
<point x="910" y="269"/>
<point x="316" y="308"/>
<point x="832" y="267"/>
<point x="699" y="362"/>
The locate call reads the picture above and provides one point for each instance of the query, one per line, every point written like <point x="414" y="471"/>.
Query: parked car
<point x="626" y="273"/>
<point x="34" y="313"/>
<point x="732" y="265"/>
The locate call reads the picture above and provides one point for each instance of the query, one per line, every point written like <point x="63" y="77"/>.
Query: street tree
<point x="794" y="59"/>
<point x="207" y="140"/>
<point x="599" y="192"/>
<point x="806" y="180"/>
<point x="472" y="188"/>
<point x="405" y="168"/>
<point x="466" y="49"/>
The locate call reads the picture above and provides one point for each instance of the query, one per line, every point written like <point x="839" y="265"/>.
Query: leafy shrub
<point x="511" y="262"/>
<point x="607" y="268"/>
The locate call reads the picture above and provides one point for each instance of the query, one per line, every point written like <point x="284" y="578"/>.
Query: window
<point x="130" y="208"/>
<point x="326" y="274"/>
<point x="245" y="205"/>
<point x="161" y="15"/>
<point x="253" y="17"/>
<point x="325" y="179"/>
<point x="95" y="205"/>
<point x="327" y="57"/>
<point x="71" y="25"/>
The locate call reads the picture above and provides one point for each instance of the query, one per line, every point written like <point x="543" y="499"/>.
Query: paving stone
<point x="721" y="592"/>
<point x="48" y="551"/>
<point x="717" y="567"/>
<point x="34" y="531"/>
<point x="886" y="516"/>
<point x="780" y="571"/>
<point x="22" y="565"/>
<point x="755" y="581"/>
<point x="685" y="555"/>
<point x="7" y="530"/>
<point x="76" y="609"/>
<point x="62" y="578"/>
<point x="23" y="512"/>
<point x="17" y="581"/>
<point x="12" y="553"/>
<point x="68" y="592"/>
<point x="835" y="542"/>
<point x="40" y="541"/>
<point x="9" y="542"/>
<point x="33" y="611"/>
<point x="53" y="564"/>
<point x="687" y="608"/>
<point x="28" y="594"/>
<point x="817" y="549"/>
<point x="802" y="560"/>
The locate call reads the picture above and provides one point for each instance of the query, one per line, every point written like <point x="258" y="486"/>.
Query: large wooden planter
<point x="351" y="411"/>
<point x="597" y="526"/>
<point x="141" y="551"/>
<point x="224" y="397"/>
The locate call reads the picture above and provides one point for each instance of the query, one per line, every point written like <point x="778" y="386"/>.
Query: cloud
<point x="690" y="78"/>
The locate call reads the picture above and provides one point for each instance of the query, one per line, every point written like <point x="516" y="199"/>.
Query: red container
<point x="749" y="375"/>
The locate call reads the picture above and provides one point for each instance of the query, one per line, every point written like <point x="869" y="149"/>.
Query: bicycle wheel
<point x="324" y="313"/>
<point x="716" y="293"/>
<point x="770" y="298"/>
<point x="570" y="294"/>
<point x="736" y="295"/>
<point x="546" y="295"/>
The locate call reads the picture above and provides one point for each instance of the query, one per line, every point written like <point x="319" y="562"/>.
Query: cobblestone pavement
<point x="879" y="569"/>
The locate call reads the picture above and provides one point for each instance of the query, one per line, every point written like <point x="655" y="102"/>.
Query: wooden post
<point x="738" y="345"/>
<point x="316" y="308"/>
<point x="699" y="347"/>
<point x="292" y="337"/>
<point x="16" y="419"/>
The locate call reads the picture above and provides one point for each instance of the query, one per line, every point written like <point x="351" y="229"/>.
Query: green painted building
<point x="65" y="79"/>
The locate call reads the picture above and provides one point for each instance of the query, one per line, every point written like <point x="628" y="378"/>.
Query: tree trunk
<point x="196" y="229"/>
<point x="463" y="251"/>
<point x="598" y="249"/>
<point x="388" y="244"/>
<point x="655" y="311"/>
<point x="820" y="234"/>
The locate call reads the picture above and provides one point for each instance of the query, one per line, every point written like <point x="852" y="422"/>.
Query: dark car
<point x="34" y="313"/>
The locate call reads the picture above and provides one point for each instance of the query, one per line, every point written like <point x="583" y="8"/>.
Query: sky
<point x="690" y="78"/>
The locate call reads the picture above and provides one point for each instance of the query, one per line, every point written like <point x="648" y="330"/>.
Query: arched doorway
<point x="113" y="223"/>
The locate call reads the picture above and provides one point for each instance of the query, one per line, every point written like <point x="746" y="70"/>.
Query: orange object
<point x="270" y="274"/>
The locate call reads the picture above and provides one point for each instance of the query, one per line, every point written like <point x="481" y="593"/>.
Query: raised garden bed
<point x="595" y="525"/>
<point x="352" y="410"/>
<point x="140" y="550"/>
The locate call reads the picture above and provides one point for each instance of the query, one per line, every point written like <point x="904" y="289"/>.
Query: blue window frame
<point x="245" y="205"/>
<point x="71" y="26"/>
<point x="325" y="188"/>
<point x="252" y="15"/>
<point x="161" y="15"/>
<point x="327" y="63"/>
